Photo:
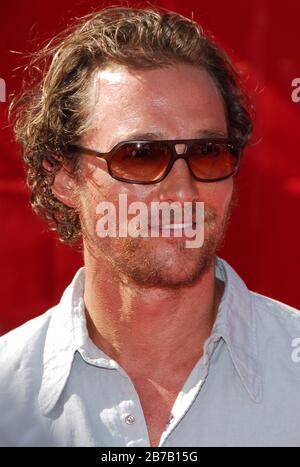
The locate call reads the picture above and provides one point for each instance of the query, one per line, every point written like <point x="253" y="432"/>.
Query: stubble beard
<point x="166" y="263"/>
<point x="161" y="262"/>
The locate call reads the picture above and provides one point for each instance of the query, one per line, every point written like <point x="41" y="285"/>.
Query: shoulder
<point x="21" y="342"/>
<point x="21" y="358"/>
<point x="274" y="310"/>
<point x="35" y="361"/>
<point x="21" y="373"/>
<point x="278" y="335"/>
<point x="26" y="343"/>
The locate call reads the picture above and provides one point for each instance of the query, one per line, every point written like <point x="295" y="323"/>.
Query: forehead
<point x="171" y="98"/>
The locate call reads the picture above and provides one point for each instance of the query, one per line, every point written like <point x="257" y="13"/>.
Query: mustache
<point x="180" y="217"/>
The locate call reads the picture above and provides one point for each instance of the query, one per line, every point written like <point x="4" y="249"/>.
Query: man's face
<point x="178" y="102"/>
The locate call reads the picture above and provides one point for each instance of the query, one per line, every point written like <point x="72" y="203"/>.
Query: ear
<point x="64" y="188"/>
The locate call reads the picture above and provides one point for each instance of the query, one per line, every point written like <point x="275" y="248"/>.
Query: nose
<point x="179" y="184"/>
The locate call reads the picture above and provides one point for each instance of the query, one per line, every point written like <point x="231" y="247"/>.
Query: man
<point x="153" y="343"/>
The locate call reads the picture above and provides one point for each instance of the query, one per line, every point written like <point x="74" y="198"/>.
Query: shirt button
<point x="129" y="419"/>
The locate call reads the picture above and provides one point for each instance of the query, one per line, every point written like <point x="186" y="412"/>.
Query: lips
<point x="174" y="226"/>
<point x="181" y="230"/>
<point x="177" y="226"/>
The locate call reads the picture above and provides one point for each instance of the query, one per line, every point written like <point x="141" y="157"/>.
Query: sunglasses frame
<point x="171" y="145"/>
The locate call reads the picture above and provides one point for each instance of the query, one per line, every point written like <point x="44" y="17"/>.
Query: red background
<point x="263" y="238"/>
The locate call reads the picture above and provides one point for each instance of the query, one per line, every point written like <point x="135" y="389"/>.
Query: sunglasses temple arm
<point x="91" y="152"/>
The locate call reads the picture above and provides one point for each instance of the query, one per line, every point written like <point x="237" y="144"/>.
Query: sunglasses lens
<point x="143" y="162"/>
<point x="212" y="160"/>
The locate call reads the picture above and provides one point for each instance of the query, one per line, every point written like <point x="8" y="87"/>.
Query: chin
<point x="167" y="270"/>
<point x="162" y="263"/>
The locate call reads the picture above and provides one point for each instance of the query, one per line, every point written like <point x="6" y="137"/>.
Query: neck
<point x="153" y="324"/>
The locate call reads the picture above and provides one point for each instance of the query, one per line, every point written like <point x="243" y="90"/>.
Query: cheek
<point x="111" y="192"/>
<point x="221" y="195"/>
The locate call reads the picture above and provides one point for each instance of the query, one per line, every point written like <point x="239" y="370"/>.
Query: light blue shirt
<point x="58" y="389"/>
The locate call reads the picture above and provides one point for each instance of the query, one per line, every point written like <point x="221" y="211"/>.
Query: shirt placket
<point x="190" y="390"/>
<point x="126" y="417"/>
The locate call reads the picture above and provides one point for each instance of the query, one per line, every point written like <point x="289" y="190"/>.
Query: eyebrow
<point x="153" y="136"/>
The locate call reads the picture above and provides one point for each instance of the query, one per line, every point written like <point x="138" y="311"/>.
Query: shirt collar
<point x="236" y="324"/>
<point x="67" y="334"/>
<point x="60" y="345"/>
